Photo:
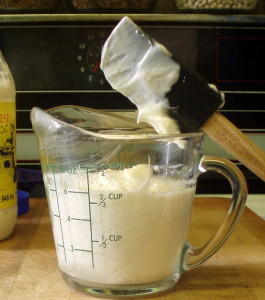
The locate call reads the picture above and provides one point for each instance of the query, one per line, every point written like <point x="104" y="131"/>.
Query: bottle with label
<point x="8" y="187"/>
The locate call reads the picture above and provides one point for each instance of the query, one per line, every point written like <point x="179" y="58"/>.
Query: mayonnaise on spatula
<point x="146" y="73"/>
<point x="143" y="71"/>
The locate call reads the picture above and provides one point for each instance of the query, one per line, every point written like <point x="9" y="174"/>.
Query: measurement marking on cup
<point x="102" y="203"/>
<point x="77" y="219"/>
<point x="69" y="218"/>
<point x="76" y="192"/>
<point x="59" y="213"/>
<point x="90" y="215"/>
<point x="82" y="250"/>
<point x="104" y="243"/>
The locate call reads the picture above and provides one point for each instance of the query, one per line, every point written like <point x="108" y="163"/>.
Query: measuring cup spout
<point x="74" y="135"/>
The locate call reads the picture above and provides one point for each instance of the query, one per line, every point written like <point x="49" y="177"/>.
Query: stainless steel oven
<point x="55" y="60"/>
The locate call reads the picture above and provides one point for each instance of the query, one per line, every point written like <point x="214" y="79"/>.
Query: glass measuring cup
<point x="120" y="198"/>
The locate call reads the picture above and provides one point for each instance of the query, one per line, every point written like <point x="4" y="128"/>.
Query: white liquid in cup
<point x="129" y="229"/>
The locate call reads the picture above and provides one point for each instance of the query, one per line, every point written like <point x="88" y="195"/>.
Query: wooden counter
<point x="29" y="271"/>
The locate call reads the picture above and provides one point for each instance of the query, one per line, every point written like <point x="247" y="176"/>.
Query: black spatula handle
<point x="192" y="100"/>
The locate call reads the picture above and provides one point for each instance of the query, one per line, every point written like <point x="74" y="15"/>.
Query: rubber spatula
<point x="190" y="100"/>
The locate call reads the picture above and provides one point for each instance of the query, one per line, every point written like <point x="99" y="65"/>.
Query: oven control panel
<point x="68" y="58"/>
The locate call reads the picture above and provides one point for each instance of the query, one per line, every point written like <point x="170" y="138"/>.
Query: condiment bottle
<point x="8" y="187"/>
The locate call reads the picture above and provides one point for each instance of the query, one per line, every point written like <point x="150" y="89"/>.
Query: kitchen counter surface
<point x="28" y="265"/>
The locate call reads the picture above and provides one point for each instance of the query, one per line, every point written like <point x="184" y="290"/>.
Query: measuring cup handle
<point x="196" y="256"/>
